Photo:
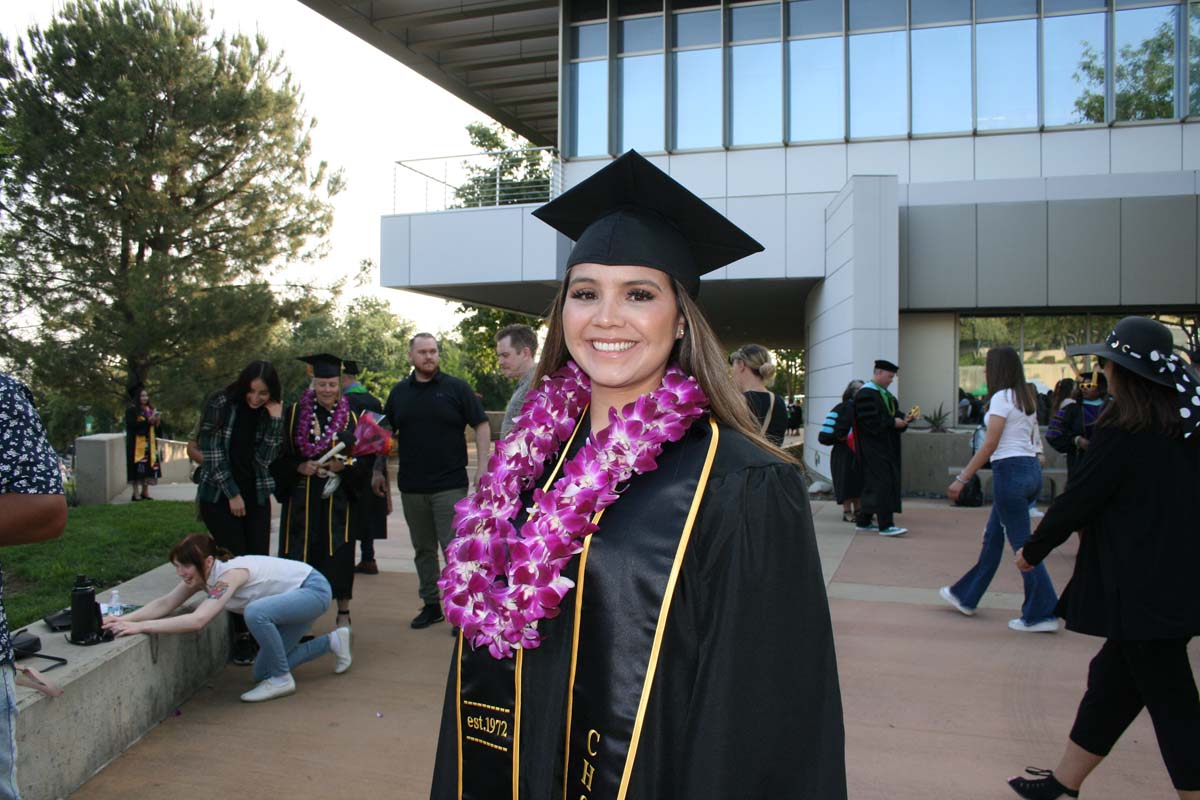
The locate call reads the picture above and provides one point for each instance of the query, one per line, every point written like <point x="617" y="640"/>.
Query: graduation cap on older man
<point x="631" y="213"/>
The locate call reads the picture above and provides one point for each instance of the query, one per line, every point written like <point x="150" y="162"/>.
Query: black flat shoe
<point x="1042" y="786"/>
<point x="429" y="614"/>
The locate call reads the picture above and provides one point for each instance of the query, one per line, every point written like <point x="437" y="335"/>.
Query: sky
<point x="370" y="112"/>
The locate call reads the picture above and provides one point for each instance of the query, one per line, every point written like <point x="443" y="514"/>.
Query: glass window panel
<point x="584" y="10"/>
<point x="747" y="23"/>
<point x="933" y="12"/>
<point x="871" y="14"/>
<point x="1144" y="68"/>
<point x="809" y="17"/>
<point x="1193" y="100"/>
<point x="627" y="7"/>
<point x="941" y="79"/>
<point x="756" y="93"/>
<point x="1067" y="6"/>
<point x="589" y="108"/>
<point x="1044" y="354"/>
<point x="1073" y="63"/>
<point x="641" y="93"/>
<point x="1004" y="9"/>
<point x="697" y="98"/>
<point x="817" y="108"/>
<point x="589" y="41"/>
<point x="977" y="335"/>
<point x="878" y="85"/>
<point x="636" y="35"/>
<point x="697" y="28"/>
<point x="1006" y="75"/>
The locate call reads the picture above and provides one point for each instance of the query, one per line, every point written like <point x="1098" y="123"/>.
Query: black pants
<point x="243" y="536"/>
<point x="1126" y="676"/>
<point x="863" y="519"/>
<point x="368" y="549"/>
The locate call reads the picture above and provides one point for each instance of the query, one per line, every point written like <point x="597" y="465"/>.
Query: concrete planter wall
<point x="100" y="466"/>
<point x="926" y="457"/>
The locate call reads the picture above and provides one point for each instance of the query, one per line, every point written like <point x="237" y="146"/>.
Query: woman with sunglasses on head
<point x="1136" y="502"/>
<point x="636" y="581"/>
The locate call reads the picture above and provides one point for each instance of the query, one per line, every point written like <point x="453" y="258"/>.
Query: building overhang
<point x="501" y="56"/>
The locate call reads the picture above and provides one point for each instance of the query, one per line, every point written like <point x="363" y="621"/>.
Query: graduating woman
<point x="636" y="581"/>
<point x="843" y="461"/>
<point x="314" y="525"/>
<point x="142" y="423"/>
<point x="1134" y="498"/>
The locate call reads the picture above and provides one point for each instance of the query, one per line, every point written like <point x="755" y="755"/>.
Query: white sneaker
<point x="269" y="690"/>
<point x="1045" y="626"/>
<point x="339" y="644"/>
<point x="949" y="597"/>
<point x="893" y="530"/>
<point x="1035" y="513"/>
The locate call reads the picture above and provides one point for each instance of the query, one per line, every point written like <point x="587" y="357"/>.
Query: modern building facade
<point x="929" y="177"/>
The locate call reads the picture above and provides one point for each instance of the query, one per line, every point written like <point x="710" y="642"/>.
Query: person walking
<point x="369" y="510"/>
<point x="240" y="434"/>
<point x="1135" y="499"/>
<point x="516" y="348"/>
<point x="878" y="423"/>
<point x="753" y="370"/>
<point x="844" y="466"/>
<point x="1074" y="422"/>
<point x="1012" y="445"/>
<point x="280" y="598"/>
<point x="428" y="412"/>
<point x="142" y="425"/>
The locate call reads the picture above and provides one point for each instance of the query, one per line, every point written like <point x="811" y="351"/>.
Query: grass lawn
<point x="110" y="544"/>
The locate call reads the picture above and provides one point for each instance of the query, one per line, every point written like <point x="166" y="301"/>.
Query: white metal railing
<point x="474" y="180"/>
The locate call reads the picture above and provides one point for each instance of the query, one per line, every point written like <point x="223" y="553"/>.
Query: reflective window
<point x="1144" y="64"/>
<point x="1004" y="9"/>
<point x="697" y="98"/>
<point x="814" y="17"/>
<point x="629" y="7"/>
<point x="589" y="108"/>
<point x="1045" y="340"/>
<point x="697" y="28"/>
<point x="583" y="10"/>
<point x="1069" y="6"/>
<point x="639" y="35"/>
<point x="641" y="93"/>
<point x="816" y="70"/>
<point x="747" y="23"/>
<point x="756" y="93"/>
<point x="875" y="14"/>
<point x="589" y="41"/>
<point x="878" y="85"/>
<point x="1193" y="67"/>
<point x="940" y="12"/>
<point x="1073" y="62"/>
<point x="1006" y="75"/>
<point x="941" y="79"/>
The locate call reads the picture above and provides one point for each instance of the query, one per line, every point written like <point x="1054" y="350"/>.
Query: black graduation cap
<point x="350" y="367"/>
<point x="887" y="365"/>
<point x="323" y="365"/>
<point x="633" y="213"/>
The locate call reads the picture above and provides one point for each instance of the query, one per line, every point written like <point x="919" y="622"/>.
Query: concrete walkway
<point x="937" y="705"/>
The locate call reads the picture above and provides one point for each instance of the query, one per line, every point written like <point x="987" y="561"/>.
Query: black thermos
<point x="85" y="612"/>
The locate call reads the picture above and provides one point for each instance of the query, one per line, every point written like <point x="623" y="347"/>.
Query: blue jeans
<point x="1015" y="481"/>
<point x="279" y="621"/>
<point x="8" y="737"/>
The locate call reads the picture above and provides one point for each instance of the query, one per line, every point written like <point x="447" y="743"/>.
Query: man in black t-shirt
<point x="429" y="412"/>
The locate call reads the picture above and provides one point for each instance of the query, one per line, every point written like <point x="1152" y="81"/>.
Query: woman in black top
<point x="752" y="371"/>
<point x="1135" y="500"/>
<point x="844" y="467"/>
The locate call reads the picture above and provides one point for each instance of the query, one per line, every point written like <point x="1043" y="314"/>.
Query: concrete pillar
<point x="852" y="316"/>
<point x="929" y="363"/>
<point x="99" y="467"/>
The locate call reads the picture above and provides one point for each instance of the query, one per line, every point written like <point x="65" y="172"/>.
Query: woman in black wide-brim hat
<point x="1136" y="502"/>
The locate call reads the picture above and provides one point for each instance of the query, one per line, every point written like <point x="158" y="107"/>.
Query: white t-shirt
<point x="268" y="577"/>
<point x="1020" y="435"/>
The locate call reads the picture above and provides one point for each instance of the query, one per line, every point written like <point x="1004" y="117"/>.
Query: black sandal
<point x="1043" y="785"/>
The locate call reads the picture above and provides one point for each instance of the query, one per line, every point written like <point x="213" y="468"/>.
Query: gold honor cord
<point x="587" y="544"/>
<point x="666" y="608"/>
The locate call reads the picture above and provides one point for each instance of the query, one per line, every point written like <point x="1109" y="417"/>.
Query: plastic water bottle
<point x="114" y="604"/>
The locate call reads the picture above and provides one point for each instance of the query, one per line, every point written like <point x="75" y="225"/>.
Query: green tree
<point x="1143" y="80"/>
<point x="154" y="174"/>
<point x="789" y="372"/>
<point x="515" y="172"/>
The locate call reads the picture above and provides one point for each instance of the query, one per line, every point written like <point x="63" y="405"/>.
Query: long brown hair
<point x="698" y="353"/>
<point x="195" y="549"/>
<point x="1142" y="406"/>
<point x="1004" y="370"/>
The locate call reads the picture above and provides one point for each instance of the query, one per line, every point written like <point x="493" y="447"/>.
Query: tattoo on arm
<point x="218" y="591"/>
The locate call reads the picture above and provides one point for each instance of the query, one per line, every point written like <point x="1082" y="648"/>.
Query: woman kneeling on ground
<point x="280" y="599"/>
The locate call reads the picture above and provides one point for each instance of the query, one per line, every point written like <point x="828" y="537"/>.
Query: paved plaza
<point x="937" y="705"/>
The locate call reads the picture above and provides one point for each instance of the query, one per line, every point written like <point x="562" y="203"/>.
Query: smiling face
<point x="191" y="576"/>
<point x="258" y="395"/>
<point x="620" y="324"/>
<point x="327" y="390"/>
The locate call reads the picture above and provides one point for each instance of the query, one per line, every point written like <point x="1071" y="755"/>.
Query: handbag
<point x="971" y="495"/>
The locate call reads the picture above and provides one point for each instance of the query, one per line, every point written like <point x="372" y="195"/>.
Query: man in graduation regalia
<point x="314" y="524"/>
<point x="878" y="423"/>
<point x="677" y="644"/>
<point x="368" y="519"/>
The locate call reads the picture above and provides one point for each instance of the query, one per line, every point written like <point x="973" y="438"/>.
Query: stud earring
<point x="679" y="334"/>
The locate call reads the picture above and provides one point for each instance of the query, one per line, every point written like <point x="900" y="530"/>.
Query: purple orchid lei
<point x="307" y="427"/>
<point x="498" y="581"/>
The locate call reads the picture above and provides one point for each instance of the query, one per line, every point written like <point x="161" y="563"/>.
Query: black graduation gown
<point x="1135" y="501"/>
<point x="745" y="700"/>
<point x="315" y="529"/>
<point x="878" y="442"/>
<point x="844" y="466"/>
<point x="369" y="517"/>
<point x="137" y="439"/>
